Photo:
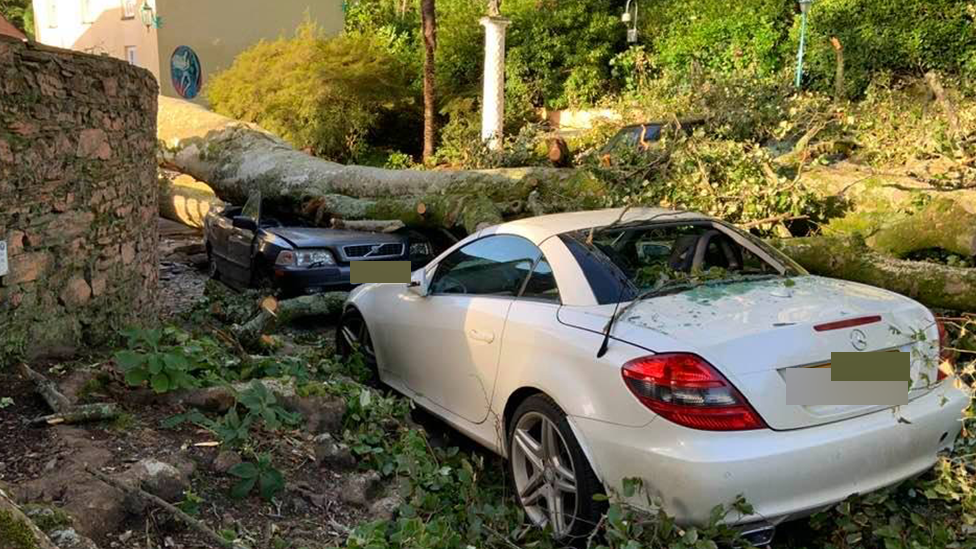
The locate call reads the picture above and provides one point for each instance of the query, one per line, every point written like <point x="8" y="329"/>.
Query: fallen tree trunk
<point x="185" y="200"/>
<point x="16" y="530"/>
<point x="931" y="284"/>
<point x="941" y="224"/>
<point x="236" y="159"/>
<point x="373" y="226"/>
<point x="861" y="189"/>
<point x="274" y="313"/>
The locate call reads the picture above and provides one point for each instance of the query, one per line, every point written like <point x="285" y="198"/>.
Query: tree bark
<point x="275" y="313"/>
<point x="931" y="284"/>
<point x="185" y="200"/>
<point x="236" y="159"/>
<point x="942" y="224"/>
<point x="935" y="83"/>
<point x="80" y="414"/>
<point x="64" y="412"/>
<point x="16" y="530"/>
<point x="861" y="189"/>
<point x="47" y="389"/>
<point x="840" y="92"/>
<point x="428" y="17"/>
<point x="369" y="225"/>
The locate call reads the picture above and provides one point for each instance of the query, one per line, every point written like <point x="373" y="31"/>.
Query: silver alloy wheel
<point x="356" y="336"/>
<point x="545" y="478"/>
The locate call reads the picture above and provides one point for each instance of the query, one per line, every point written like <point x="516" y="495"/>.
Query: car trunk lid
<point x="753" y="331"/>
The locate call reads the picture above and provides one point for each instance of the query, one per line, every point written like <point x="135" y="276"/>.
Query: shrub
<point x="564" y="48"/>
<point x="320" y="94"/>
<point x="900" y="36"/>
<point x="720" y="36"/>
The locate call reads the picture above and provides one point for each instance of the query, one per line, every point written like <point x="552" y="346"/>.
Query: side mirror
<point x="245" y="223"/>
<point x="418" y="282"/>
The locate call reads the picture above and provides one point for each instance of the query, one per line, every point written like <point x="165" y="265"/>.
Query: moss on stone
<point x="45" y="517"/>
<point x="16" y="533"/>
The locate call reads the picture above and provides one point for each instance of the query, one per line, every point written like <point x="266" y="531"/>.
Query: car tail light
<point x="947" y="357"/>
<point x="683" y="388"/>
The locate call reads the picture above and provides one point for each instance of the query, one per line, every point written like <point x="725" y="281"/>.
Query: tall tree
<point x="429" y="21"/>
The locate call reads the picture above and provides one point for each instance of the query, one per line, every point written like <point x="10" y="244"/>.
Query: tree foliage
<point x="719" y="36"/>
<point x="562" y="50"/>
<point x="902" y="37"/>
<point x="320" y="94"/>
<point x="20" y="13"/>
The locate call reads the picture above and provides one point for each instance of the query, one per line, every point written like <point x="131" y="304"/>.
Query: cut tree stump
<point x="931" y="284"/>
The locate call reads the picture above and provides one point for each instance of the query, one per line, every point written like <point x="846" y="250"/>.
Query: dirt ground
<point x="45" y="464"/>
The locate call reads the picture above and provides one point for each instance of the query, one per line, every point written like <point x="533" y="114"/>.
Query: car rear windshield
<point x="623" y="261"/>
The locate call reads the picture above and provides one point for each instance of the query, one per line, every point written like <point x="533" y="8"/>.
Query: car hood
<point x="751" y="331"/>
<point x="313" y="237"/>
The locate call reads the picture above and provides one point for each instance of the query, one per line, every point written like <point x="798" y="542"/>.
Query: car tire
<point x="351" y="332"/>
<point x="538" y="488"/>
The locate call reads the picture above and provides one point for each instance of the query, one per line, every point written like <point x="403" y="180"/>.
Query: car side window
<point x="542" y="283"/>
<point x="252" y="209"/>
<point x="496" y="265"/>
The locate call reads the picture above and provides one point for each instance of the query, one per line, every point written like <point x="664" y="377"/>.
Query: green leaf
<point x="244" y="470"/>
<point x="160" y="383"/>
<point x="156" y="364"/>
<point x="272" y="482"/>
<point x="243" y="488"/>
<point x="128" y="360"/>
<point x="175" y="362"/>
<point x="136" y="376"/>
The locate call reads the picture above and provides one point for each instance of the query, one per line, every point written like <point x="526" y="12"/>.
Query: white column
<point x="493" y="103"/>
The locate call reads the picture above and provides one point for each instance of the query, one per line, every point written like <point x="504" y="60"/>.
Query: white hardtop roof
<point x="537" y="229"/>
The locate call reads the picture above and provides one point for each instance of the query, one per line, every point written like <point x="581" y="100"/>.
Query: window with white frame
<point x="128" y="9"/>
<point x="52" y="14"/>
<point x="130" y="55"/>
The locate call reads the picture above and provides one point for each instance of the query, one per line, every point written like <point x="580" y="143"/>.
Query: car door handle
<point x="478" y="335"/>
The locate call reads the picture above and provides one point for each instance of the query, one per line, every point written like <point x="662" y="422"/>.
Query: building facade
<point x="182" y="42"/>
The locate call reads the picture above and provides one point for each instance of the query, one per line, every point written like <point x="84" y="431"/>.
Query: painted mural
<point x="185" y="71"/>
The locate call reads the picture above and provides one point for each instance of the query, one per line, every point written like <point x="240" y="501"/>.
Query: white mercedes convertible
<point x="593" y="347"/>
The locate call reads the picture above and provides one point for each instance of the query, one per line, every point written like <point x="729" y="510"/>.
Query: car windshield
<point x="672" y="257"/>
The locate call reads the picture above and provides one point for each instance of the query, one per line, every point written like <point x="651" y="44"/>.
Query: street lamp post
<point x="804" y="8"/>
<point x="627" y="18"/>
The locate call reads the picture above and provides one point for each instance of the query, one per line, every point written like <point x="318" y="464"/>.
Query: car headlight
<point x="305" y="258"/>
<point x="419" y="248"/>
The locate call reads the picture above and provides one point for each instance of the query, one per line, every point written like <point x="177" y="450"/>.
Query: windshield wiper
<point x="668" y="287"/>
<point x="643" y="295"/>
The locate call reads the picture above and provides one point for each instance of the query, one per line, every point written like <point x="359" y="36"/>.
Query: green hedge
<point x="896" y="36"/>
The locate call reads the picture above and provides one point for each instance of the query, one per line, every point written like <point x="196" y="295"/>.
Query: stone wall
<point x="78" y="198"/>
